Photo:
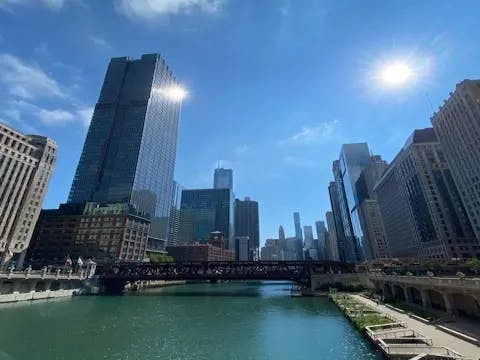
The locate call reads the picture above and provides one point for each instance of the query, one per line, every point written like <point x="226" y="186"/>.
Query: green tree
<point x="473" y="263"/>
<point x="160" y="258"/>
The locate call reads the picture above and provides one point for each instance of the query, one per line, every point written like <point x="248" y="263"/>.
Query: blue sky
<point x="276" y="86"/>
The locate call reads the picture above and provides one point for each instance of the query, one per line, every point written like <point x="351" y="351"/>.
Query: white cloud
<point x="242" y="149"/>
<point x="55" y="117"/>
<point x="62" y="117"/>
<point x="85" y="115"/>
<point x="97" y="40"/>
<point x="26" y="81"/>
<point x="50" y="4"/>
<point x="19" y="111"/>
<point x="151" y="9"/>
<point x="53" y="4"/>
<point x="23" y="88"/>
<point x="313" y="134"/>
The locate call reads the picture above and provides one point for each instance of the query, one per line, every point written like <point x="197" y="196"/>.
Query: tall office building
<point x="281" y="236"/>
<point x="174" y="216"/>
<point x="247" y="223"/>
<point x="26" y="166"/>
<point x="321" y="239"/>
<point x="368" y="209"/>
<point x="242" y="249"/>
<point x="397" y="220"/>
<point x="457" y="125"/>
<point x="353" y="158"/>
<point x="223" y="179"/>
<point x="298" y="234"/>
<point x="308" y="233"/>
<point x="434" y="208"/>
<point x="337" y="218"/>
<point x="331" y="243"/>
<point x="298" y="226"/>
<point x="281" y="233"/>
<point x="203" y="211"/>
<point x="130" y="148"/>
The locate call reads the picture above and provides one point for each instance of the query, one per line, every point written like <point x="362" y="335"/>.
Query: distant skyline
<point x="275" y="87"/>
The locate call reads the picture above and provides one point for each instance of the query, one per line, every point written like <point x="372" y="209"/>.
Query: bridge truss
<point x="295" y="271"/>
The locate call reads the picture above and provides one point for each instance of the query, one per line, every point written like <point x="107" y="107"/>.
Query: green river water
<point x="191" y="322"/>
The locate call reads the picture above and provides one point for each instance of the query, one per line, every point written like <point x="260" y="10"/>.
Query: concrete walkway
<point x="438" y="337"/>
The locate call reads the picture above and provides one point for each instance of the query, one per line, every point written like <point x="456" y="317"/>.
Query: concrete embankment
<point x="34" y="285"/>
<point x="142" y="285"/>
<point x="399" y="336"/>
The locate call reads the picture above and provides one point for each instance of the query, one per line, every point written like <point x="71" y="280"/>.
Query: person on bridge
<point x="79" y="264"/>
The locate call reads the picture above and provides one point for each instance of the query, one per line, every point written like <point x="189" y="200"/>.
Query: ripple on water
<point x="200" y="321"/>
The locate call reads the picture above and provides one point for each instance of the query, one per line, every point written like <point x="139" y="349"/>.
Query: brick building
<point x="101" y="232"/>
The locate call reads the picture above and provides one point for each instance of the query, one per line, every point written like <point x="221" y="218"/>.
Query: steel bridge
<point x="114" y="276"/>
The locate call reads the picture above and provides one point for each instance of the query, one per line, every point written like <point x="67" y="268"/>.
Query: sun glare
<point x="396" y="73"/>
<point x="175" y="93"/>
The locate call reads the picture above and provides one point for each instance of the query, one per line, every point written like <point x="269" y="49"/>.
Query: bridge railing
<point x="458" y="282"/>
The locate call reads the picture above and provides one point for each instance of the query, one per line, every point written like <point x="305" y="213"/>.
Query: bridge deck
<point x="298" y="271"/>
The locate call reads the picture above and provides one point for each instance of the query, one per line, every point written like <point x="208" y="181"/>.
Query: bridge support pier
<point x="447" y="299"/>
<point x="426" y="301"/>
<point x="408" y="295"/>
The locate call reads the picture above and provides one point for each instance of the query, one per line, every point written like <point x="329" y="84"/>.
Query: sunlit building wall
<point x="457" y="125"/>
<point x="26" y="166"/>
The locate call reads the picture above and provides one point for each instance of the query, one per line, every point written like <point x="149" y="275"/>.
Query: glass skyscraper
<point x="298" y="234"/>
<point x="223" y="179"/>
<point x="353" y="158"/>
<point x="130" y="148"/>
<point x="247" y="221"/>
<point x="203" y="211"/>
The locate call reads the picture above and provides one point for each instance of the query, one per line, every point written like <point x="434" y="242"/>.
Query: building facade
<point x="457" y="125"/>
<point x="337" y="217"/>
<point x="321" y="239"/>
<point x="331" y="242"/>
<point x="174" y="217"/>
<point x="308" y="236"/>
<point x="440" y="223"/>
<point x="102" y="232"/>
<point x="247" y="222"/>
<point x="368" y="209"/>
<point x="214" y="250"/>
<point x="203" y="211"/>
<point x="26" y="166"/>
<point x="223" y="179"/>
<point x="242" y="249"/>
<point x="298" y="235"/>
<point x="130" y="148"/>
<point x="199" y="252"/>
<point x="397" y="219"/>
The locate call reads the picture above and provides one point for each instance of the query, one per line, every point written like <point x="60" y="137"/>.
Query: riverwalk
<point x="438" y="337"/>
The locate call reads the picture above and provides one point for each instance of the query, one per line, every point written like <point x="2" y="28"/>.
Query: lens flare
<point x="174" y="93"/>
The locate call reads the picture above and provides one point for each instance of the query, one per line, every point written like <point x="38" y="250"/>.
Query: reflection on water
<point x="197" y="321"/>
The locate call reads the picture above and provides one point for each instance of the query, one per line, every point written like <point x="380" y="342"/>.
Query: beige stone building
<point x="457" y="125"/>
<point x="26" y="166"/>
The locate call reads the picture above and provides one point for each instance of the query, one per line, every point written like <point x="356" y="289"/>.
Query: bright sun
<point x="396" y="73"/>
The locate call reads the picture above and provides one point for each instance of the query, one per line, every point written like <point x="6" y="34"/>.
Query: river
<point x="197" y="321"/>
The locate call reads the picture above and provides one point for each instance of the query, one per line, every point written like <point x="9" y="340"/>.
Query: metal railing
<point x="448" y="282"/>
<point x="417" y="349"/>
<point x="47" y="273"/>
